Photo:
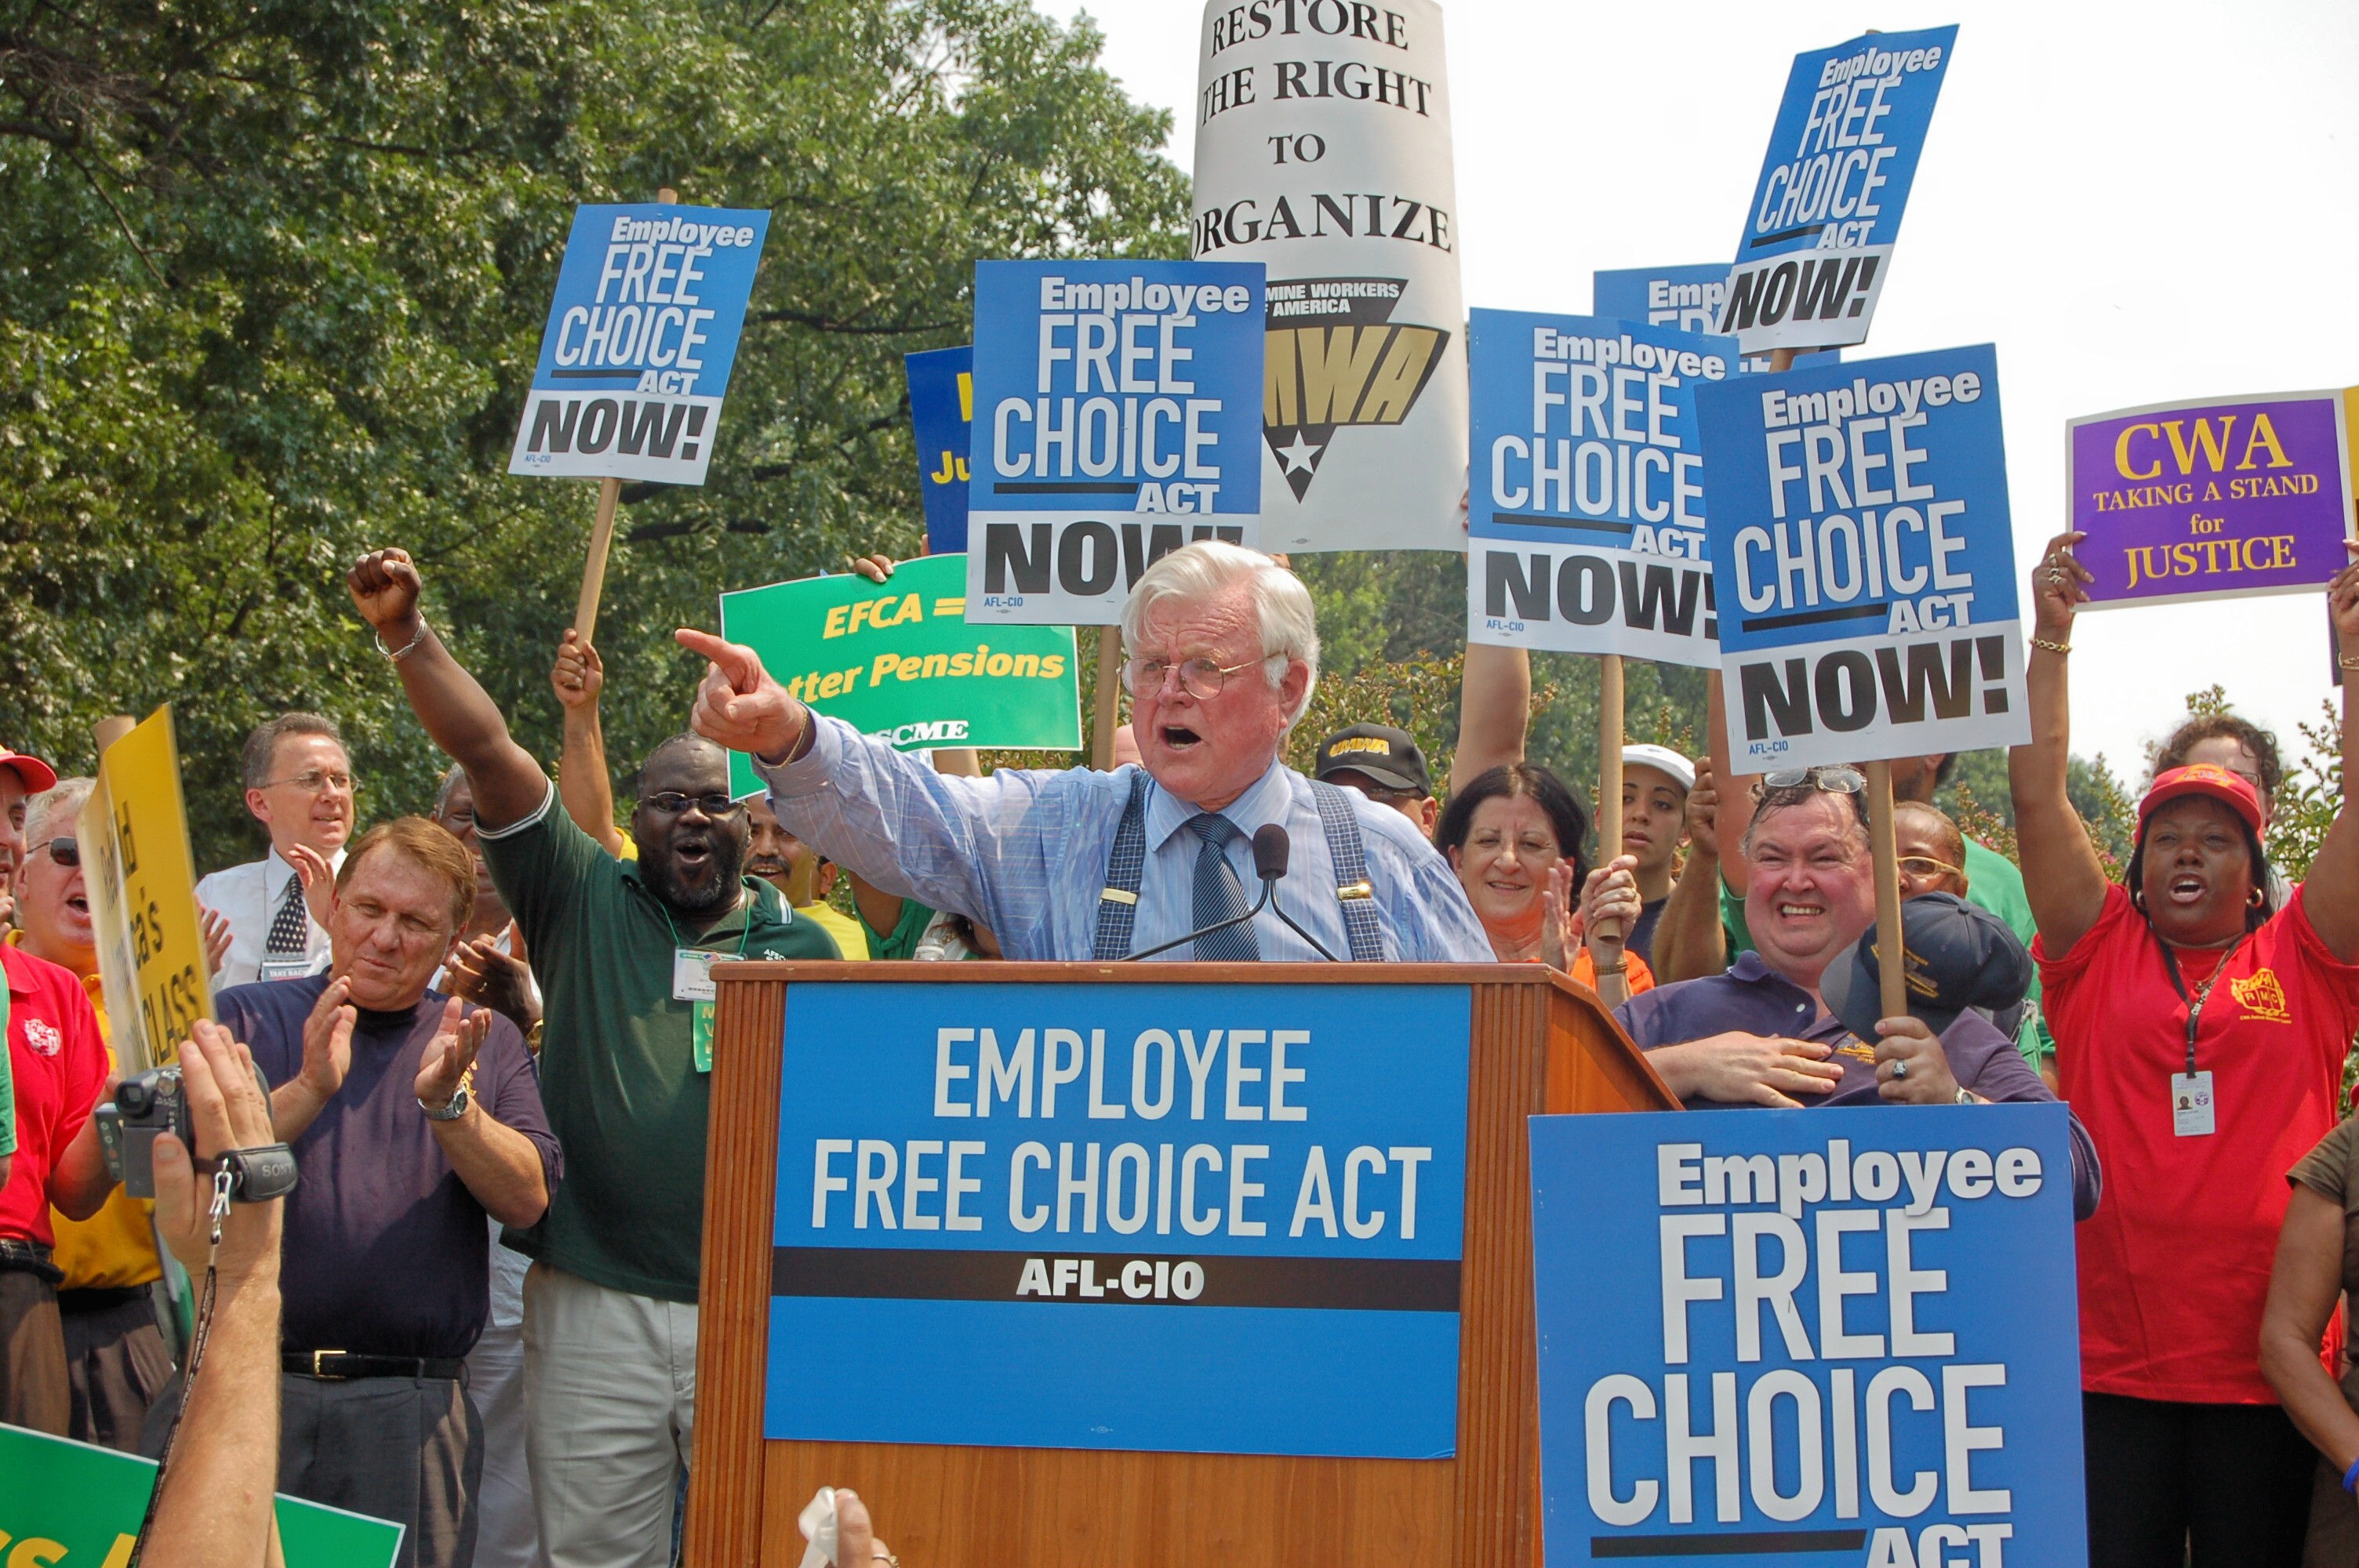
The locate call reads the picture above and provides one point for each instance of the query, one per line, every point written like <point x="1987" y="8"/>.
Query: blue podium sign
<point x="1154" y="1217"/>
<point x="1848" y="1333"/>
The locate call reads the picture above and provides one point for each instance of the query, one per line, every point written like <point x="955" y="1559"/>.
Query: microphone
<point x="1271" y="850"/>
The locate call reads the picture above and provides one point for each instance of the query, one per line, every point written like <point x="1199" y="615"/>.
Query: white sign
<point x="1322" y="149"/>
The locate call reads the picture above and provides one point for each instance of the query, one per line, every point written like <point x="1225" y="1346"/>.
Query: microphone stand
<point x="1317" y="945"/>
<point x="1267" y="886"/>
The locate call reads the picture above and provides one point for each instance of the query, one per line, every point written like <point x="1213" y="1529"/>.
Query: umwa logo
<point x="1336" y="358"/>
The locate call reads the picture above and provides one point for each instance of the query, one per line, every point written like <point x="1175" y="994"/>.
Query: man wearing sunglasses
<point x="117" y="1359"/>
<point x="299" y="785"/>
<point x="623" y="950"/>
<point x="56" y="1061"/>
<point x="1076" y="864"/>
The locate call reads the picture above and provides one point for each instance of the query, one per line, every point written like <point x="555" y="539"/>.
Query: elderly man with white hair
<point x="1223" y="652"/>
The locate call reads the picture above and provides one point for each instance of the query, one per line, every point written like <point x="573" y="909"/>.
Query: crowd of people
<point x="486" y="1032"/>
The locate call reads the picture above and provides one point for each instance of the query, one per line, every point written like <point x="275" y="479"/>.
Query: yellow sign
<point x="143" y="900"/>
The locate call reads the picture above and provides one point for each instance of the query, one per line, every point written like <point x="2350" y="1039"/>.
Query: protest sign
<point x="1152" y="1216"/>
<point x="1687" y="298"/>
<point x="2212" y="499"/>
<point x="1846" y="1331"/>
<point x="1322" y="149"/>
<point x="72" y="1505"/>
<point x="641" y="337"/>
<point x="142" y="883"/>
<point x="1861" y="543"/>
<point x="1115" y="421"/>
<point x="1587" y="506"/>
<point x="898" y="660"/>
<point x="1819" y="235"/>
<point x="942" y="408"/>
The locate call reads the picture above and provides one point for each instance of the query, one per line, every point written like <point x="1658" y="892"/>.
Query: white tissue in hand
<point x="817" y="1521"/>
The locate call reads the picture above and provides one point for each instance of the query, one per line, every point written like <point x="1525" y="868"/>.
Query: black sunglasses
<point x="64" y="851"/>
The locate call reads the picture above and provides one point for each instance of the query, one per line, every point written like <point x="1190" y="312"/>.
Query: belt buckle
<point x="320" y="1371"/>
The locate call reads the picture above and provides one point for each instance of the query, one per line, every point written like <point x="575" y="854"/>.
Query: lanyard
<point x="743" y="934"/>
<point x="2195" y="1004"/>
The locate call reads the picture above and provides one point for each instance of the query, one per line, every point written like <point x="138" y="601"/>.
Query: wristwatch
<point x="450" y="1112"/>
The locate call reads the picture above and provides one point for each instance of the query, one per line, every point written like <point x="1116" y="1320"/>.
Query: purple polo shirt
<point x="1753" y="998"/>
<point x="386" y="1252"/>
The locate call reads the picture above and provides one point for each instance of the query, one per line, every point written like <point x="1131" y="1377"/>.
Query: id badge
<point x="2191" y="1105"/>
<point x="691" y="976"/>
<point x="287" y="970"/>
<point x="699" y="1036"/>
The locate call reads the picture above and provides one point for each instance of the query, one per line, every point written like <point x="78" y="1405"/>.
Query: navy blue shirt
<point x="386" y="1252"/>
<point x="1753" y="998"/>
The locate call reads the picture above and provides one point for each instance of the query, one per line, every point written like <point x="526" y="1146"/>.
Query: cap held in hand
<point x="1956" y="956"/>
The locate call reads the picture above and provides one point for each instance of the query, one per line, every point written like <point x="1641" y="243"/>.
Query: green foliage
<point x="2309" y="797"/>
<point x="273" y="281"/>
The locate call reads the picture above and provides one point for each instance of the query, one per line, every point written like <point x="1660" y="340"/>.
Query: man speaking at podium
<point x="1223" y="651"/>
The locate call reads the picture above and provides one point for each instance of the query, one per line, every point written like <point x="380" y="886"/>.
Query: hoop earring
<point x="2257" y="899"/>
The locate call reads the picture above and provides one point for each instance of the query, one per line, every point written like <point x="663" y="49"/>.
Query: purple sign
<point x="2212" y="500"/>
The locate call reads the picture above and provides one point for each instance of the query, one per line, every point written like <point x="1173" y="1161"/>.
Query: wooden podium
<point x="1539" y="1043"/>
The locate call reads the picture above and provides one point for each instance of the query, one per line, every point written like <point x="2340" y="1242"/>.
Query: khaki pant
<point x="610" y="1399"/>
<point x="34" y="1392"/>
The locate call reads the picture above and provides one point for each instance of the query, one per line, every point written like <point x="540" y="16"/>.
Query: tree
<point x="272" y="287"/>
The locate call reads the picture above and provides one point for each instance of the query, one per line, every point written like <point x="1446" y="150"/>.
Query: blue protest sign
<point x="642" y="335"/>
<point x="1151" y="1216"/>
<point x="1106" y="394"/>
<point x="941" y="407"/>
<point x="1765" y="1333"/>
<point x="1864" y="561"/>
<point x="1687" y="298"/>
<point x="1826" y="210"/>
<point x="1587" y="500"/>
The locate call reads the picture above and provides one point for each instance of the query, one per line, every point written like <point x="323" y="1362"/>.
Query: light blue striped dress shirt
<point x="1024" y="852"/>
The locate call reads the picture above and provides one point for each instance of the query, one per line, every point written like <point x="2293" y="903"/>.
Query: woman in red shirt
<point x="2200" y="1035"/>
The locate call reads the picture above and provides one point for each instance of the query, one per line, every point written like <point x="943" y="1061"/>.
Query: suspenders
<point x="1118" y="901"/>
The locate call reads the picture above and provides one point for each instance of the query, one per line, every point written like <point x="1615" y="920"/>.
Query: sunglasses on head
<point x="1833" y="781"/>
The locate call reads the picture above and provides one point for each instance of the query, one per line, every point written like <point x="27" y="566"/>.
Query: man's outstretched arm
<point x="458" y="713"/>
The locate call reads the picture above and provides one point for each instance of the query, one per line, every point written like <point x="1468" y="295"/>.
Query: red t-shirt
<point x="2175" y="1264"/>
<point x="59" y="1060"/>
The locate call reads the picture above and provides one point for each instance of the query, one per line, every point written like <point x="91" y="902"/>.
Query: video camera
<point x="152" y="1103"/>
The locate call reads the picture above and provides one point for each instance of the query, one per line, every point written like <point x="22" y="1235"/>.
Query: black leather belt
<point x="340" y="1366"/>
<point x="29" y="1258"/>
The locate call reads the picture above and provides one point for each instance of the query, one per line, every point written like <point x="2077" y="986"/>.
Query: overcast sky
<point x="2137" y="203"/>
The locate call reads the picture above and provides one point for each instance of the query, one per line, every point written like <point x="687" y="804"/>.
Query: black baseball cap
<point x="1957" y="956"/>
<point x="1385" y="754"/>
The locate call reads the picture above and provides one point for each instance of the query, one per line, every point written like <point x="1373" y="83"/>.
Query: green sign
<point x="898" y="659"/>
<point x="69" y="1505"/>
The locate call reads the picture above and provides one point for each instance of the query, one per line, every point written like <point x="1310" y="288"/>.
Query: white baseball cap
<point x="1663" y="760"/>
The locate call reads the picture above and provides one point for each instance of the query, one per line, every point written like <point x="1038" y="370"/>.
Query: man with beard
<point x="623" y="950"/>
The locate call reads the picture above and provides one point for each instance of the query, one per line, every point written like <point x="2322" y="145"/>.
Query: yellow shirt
<point x="849" y="937"/>
<point x="117" y="1246"/>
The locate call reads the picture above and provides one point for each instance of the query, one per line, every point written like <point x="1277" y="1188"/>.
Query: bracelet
<point x="397" y="654"/>
<point x="1601" y="971"/>
<point x="2348" y="660"/>
<point x="2051" y="646"/>
<point x="2351" y="1478"/>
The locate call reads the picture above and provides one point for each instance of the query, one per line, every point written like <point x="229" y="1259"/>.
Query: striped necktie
<point x="1219" y="895"/>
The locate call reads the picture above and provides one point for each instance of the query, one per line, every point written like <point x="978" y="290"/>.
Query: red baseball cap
<point x="2203" y="778"/>
<point x="37" y="774"/>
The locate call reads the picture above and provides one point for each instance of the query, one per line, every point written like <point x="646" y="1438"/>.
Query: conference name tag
<point x="692" y="975"/>
<point x="2191" y="1105"/>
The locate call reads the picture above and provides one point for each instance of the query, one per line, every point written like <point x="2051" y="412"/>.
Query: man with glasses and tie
<point x="624" y="951"/>
<point x="298" y="784"/>
<point x="1222" y="654"/>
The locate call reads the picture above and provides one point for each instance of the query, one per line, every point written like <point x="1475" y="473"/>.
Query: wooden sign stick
<point x="1108" y="706"/>
<point x="1890" y="959"/>
<point x="602" y="532"/>
<point x="1609" y="765"/>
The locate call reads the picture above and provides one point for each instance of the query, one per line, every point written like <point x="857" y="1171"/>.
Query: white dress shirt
<point x="248" y="896"/>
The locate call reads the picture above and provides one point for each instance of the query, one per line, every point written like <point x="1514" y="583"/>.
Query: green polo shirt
<point x="1992" y="883"/>
<point x="617" y="1071"/>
